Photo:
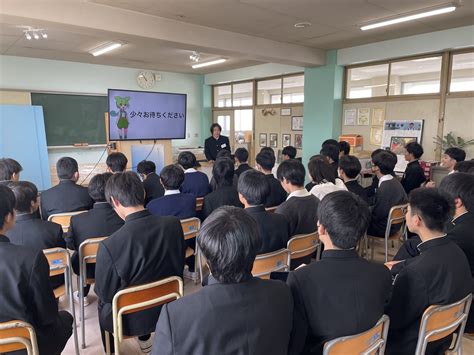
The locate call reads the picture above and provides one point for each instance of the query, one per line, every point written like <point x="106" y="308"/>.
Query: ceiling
<point x="161" y="34"/>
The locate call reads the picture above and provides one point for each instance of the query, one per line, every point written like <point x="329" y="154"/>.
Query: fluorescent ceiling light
<point x="426" y="59"/>
<point x="439" y="11"/>
<point x="105" y="48"/>
<point x="212" y="62"/>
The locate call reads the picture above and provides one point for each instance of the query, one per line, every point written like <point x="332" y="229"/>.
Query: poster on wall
<point x="285" y="140"/>
<point x="363" y="116"/>
<point x="262" y="139"/>
<point x="298" y="141"/>
<point x="273" y="140"/>
<point x="285" y="111"/>
<point x="350" y="117"/>
<point x="378" y="115"/>
<point x="297" y="123"/>
<point x="375" y="135"/>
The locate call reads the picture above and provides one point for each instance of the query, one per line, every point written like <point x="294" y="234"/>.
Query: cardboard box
<point x="355" y="140"/>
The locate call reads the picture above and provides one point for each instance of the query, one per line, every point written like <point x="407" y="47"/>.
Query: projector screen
<point x="141" y="115"/>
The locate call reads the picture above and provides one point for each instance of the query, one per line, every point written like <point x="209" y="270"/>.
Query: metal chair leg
<point x="73" y="311"/>
<point x="81" y="310"/>
<point x="107" y="343"/>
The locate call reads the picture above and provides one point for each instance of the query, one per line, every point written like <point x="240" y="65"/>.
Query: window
<point x="369" y="81"/>
<point x="416" y="76"/>
<point x="242" y="94"/>
<point x="222" y="96"/>
<point x="293" y="89"/>
<point x="462" y="74"/>
<point x="269" y="92"/>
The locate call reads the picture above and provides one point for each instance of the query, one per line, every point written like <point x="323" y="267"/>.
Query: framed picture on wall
<point x="262" y="139"/>
<point x="350" y="117"/>
<point x="298" y="141"/>
<point x="378" y="115"/>
<point x="376" y="135"/>
<point x="273" y="140"/>
<point x="285" y="111"/>
<point x="297" y="123"/>
<point x="285" y="140"/>
<point x="363" y="116"/>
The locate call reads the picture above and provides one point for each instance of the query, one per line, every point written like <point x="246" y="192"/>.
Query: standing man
<point x="215" y="143"/>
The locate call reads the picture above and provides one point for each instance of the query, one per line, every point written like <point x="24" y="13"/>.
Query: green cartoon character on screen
<point x="122" y="122"/>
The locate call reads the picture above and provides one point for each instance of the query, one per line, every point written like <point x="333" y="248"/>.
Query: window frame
<point x="455" y="94"/>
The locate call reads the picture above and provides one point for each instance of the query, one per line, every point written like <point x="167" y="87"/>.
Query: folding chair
<point x="138" y="298"/>
<point x="302" y="245"/>
<point x="87" y="255"/>
<point x="271" y="209"/>
<point x="64" y="219"/>
<point x="199" y="203"/>
<point x="18" y="335"/>
<point x="396" y="216"/>
<point x="60" y="263"/>
<point x="370" y="342"/>
<point x="191" y="227"/>
<point x="267" y="263"/>
<point x="440" y="321"/>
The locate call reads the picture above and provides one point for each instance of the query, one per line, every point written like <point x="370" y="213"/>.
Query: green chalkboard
<point x="71" y="119"/>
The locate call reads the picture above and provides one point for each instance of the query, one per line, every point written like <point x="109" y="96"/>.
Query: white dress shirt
<point x="325" y="188"/>
<point x="385" y="178"/>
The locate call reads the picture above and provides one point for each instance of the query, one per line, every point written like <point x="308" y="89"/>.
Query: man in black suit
<point x="151" y="180"/>
<point x="235" y="312"/>
<point x="414" y="176"/>
<point x="349" y="170"/>
<point x="331" y="153"/>
<point x="147" y="248"/>
<point x="225" y="193"/>
<point x="9" y="170"/>
<point x="389" y="193"/>
<point x="273" y="227"/>
<point x="342" y="294"/>
<point x="100" y="221"/>
<point x="26" y="293"/>
<point x="67" y="196"/>
<point x="116" y="162"/>
<point x="29" y="230"/>
<point x="215" y="143"/>
<point x="265" y="163"/>
<point x="440" y="275"/>
<point x="241" y="157"/>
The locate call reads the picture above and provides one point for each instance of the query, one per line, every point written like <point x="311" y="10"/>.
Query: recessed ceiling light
<point x="206" y="64"/>
<point x="302" y="24"/>
<point x="107" y="47"/>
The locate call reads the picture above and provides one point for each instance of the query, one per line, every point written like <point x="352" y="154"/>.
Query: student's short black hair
<point x="223" y="172"/>
<point x="267" y="149"/>
<point x="330" y="142"/>
<point x="223" y="153"/>
<point x="434" y="207"/>
<point x="7" y="203"/>
<point x="456" y="153"/>
<point x="146" y="167"/>
<point x="460" y="185"/>
<point x="414" y="148"/>
<point x="229" y="240"/>
<point x="344" y="147"/>
<point x="25" y="193"/>
<point x="214" y="125"/>
<point x="8" y="167"/>
<point x="464" y="166"/>
<point x="187" y="160"/>
<point x="117" y="162"/>
<point x="266" y="160"/>
<point x="290" y="151"/>
<point x="385" y="161"/>
<point x="242" y="155"/>
<point x="293" y="171"/>
<point x="172" y="177"/>
<point x="126" y="188"/>
<point x="350" y="165"/>
<point x="330" y="151"/>
<point x="97" y="185"/>
<point x="320" y="170"/>
<point x="345" y="216"/>
<point x="66" y="167"/>
<point x="254" y="187"/>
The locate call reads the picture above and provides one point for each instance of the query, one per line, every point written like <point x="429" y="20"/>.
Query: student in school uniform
<point x="273" y="227"/>
<point x="370" y="190"/>
<point x="331" y="153"/>
<point x="147" y="248"/>
<point x="277" y="195"/>
<point x="9" y="170"/>
<point x="452" y="156"/>
<point x="116" y="162"/>
<point x="414" y="175"/>
<point x="349" y="170"/>
<point x="324" y="307"/>
<point x="464" y="166"/>
<point x="67" y="196"/>
<point x="26" y="292"/>
<point x="241" y="157"/>
<point x="235" y="313"/>
<point x="344" y="148"/>
<point x="215" y="143"/>
<point x="100" y="221"/>
<point x="323" y="177"/>
<point x="195" y="182"/>
<point x="174" y="202"/>
<point x="440" y="275"/>
<point x="151" y="181"/>
<point x="29" y="230"/>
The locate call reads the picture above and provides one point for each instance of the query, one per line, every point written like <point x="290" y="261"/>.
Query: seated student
<point x="9" y="170"/>
<point x="116" y="162"/>
<point x="370" y="190"/>
<point x="342" y="294"/>
<point x="349" y="169"/>
<point x="464" y="166"/>
<point x="241" y="157"/>
<point x="439" y="275"/>
<point x="29" y="230"/>
<point x="323" y="177"/>
<point x="67" y="196"/>
<point x="389" y="193"/>
<point x="225" y="193"/>
<point x="26" y="292"/>
<point x="300" y="207"/>
<point x="344" y="148"/>
<point x="235" y="313"/>
<point x="253" y="190"/>
<point x="289" y="152"/>
<point x="414" y="175"/>
<point x="147" y="248"/>
<point x="277" y="195"/>
<point x="100" y="221"/>
<point x="195" y="182"/>
<point x="224" y="154"/>
<point x="451" y="156"/>
<point x="331" y="153"/>
<point x="173" y="203"/>
<point x="151" y="181"/>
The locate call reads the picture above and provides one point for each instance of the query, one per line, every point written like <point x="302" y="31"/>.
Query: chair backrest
<point x="372" y="341"/>
<point x="440" y="321"/>
<point x="397" y="214"/>
<point x="199" y="203"/>
<point x="265" y="264"/>
<point x="88" y="250"/>
<point x="58" y="259"/>
<point x="17" y="335"/>
<point x="271" y="209"/>
<point x="303" y="244"/>
<point x="190" y="227"/>
<point x="64" y="219"/>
